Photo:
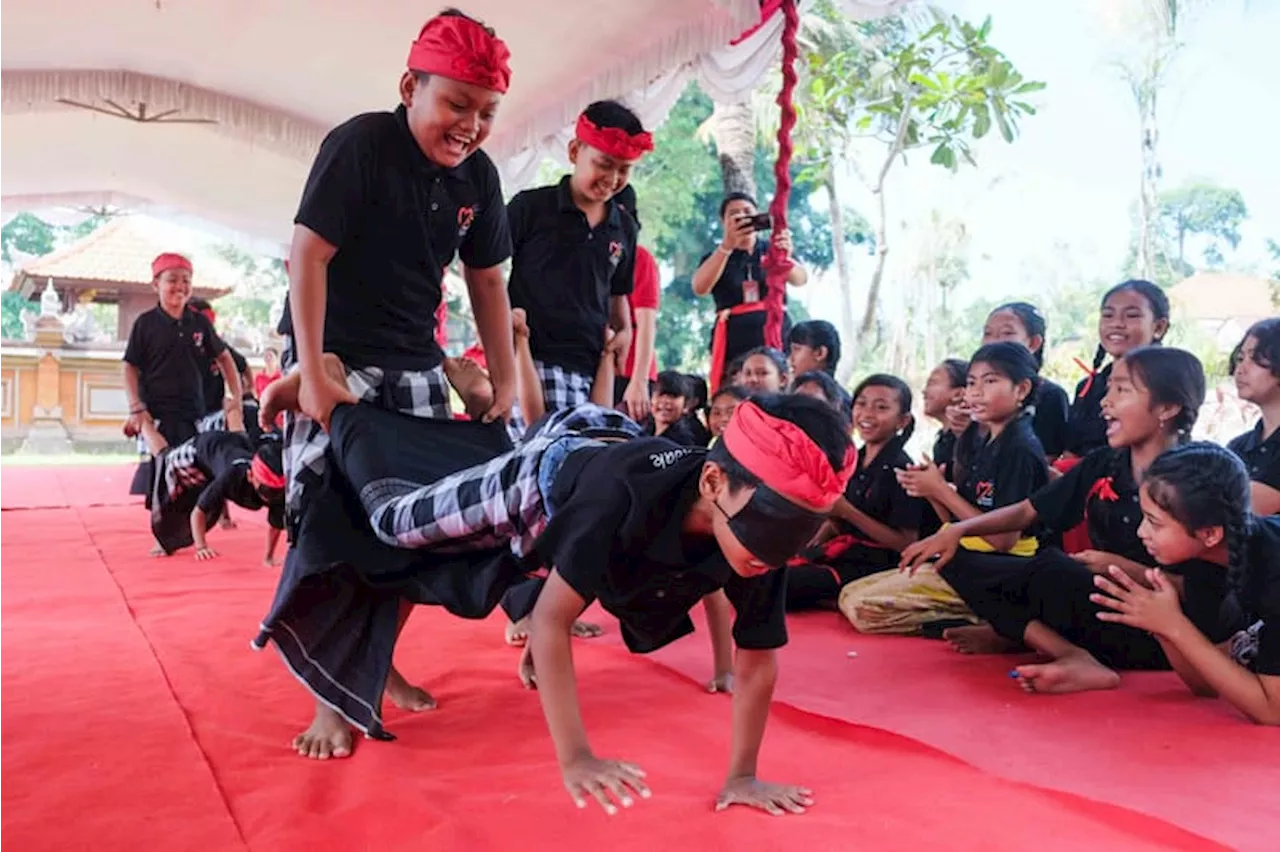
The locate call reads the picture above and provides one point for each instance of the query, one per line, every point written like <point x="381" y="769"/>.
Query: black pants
<point x="817" y="576"/>
<point x="1010" y="592"/>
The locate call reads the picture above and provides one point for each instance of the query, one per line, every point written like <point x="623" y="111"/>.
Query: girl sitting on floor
<point x="764" y="371"/>
<point x="876" y="518"/>
<point x="943" y="401"/>
<point x="1256" y="367"/>
<point x="1151" y="405"/>
<point x="1022" y="322"/>
<point x="723" y="404"/>
<point x="1195" y="500"/>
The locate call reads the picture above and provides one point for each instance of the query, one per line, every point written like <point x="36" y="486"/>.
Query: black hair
<point x="697" y="390"/>
<point x="614" y="114"/>
<point x="272" y="455"/>
<point x="738" y="392"/>
<point x="779" y="360"/>
<point x="626" y="199"/>
<point x="1155" y="297"/>
<point x="1032" y="320"/>
<point x="957" y="371"/>
<point x="815" y="418"/>
<point x="198" y="304"/>
<point x="1171" y="377"/>
<point x="815" y="333"/>
<point x="831" y="391"/>
<point x="734" y="368"/>
<point x="671" y="383"/>
<point x="1012" y="360"/>
<point x="1266" y="352"/>
<point x="893" y="383"/>
<point x="1204" y="485"/>
<point x="736" y="196"/>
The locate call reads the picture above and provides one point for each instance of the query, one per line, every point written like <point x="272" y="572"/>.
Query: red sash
<point x="720" y="339"/>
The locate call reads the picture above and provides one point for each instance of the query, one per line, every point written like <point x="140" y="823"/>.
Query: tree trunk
<point x="877" y="276"/>
<point x="840" y="250"/>
<point x="733" y="129"/>
<point x="1148" y="199"/>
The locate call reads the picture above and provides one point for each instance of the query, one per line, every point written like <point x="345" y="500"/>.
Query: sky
<point x="1071" y="178"/>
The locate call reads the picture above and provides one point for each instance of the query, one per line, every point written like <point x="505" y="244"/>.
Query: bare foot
<point x="329" y="736"/>
<point x="472" y="383"/>
<point x="979" y="639"/>
<point x="405" y="695"/>
<point x="282" y="394"/>
<point x="518" y="632"/>
<point x="156" y="550"/>
<point x="1073" y="673"/>
<point x="586" y="630"/>
<point x="225" y="521"/>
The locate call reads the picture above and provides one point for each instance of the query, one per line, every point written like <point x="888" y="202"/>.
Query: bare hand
<point x="635" y="400"/>
<point x="941" y="544"/>
<point x="504" y="397"/>
<point x="782" y="242"/>
<point x="607" y="781"/>
<point x="1097" y="561"/>
<point x="740" y="235"/>
<point x="722" y="682"/>
<point x="957" y="418"/>
<point x="133" y="426"/>
<point x="205" y="552"/>
<point x="1156" y="609"/>
<point x="776" y="799"/>
<point x="922" y="480"/>
<point x="270" y="561"/>
<point x="519" y="323"/>
<point x="319" y="395"/>
<point x="235" y="418"/>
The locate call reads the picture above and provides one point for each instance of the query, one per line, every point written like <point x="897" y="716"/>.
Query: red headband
<point x="169" y="260"/>
<point x="462" y="50"/>
<point x="784" y="458"/>
<point x="614" y="141"/>
<point x="265" y="475"/>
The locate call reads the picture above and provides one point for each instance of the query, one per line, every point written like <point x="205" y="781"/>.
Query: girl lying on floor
<point x="1195" y="502"/>
<point x="1044" y="602"/>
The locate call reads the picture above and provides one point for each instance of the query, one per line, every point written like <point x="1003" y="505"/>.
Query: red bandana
<point x="169" y="260"/>
<point x="614" y="141"/>
<point x="265" y="475"/>
<point x="784" y="458"/>
<point x="462" y="50"/>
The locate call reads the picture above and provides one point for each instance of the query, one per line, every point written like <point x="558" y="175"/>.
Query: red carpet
<point x="136" y="717"/>
<point x="55" y="487"/>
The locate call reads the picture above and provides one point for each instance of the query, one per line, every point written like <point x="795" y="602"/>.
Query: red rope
<point x="777" y="264"/>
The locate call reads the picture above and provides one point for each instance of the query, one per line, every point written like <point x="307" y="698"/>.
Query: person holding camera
<point x="734" y="276"/>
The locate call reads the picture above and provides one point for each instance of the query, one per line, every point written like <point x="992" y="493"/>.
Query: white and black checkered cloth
<point x="561" y="389"/>
<point x="416" y="393"/>
<point x="181" y="473"/>
<point x="1243" y="647"/>
<point x="488" y="504"/>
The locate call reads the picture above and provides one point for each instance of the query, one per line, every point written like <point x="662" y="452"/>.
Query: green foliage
<point x="942" y="87"/>
<point x="679" y="190"/>
<point x="1200" y="209"/>
<point x="263" y="283"/>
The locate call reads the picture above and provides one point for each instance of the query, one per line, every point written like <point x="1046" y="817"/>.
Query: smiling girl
<point x="1022" y="322"/>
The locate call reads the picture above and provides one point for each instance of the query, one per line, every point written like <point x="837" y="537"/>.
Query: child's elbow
<point x="1270" y="715"/>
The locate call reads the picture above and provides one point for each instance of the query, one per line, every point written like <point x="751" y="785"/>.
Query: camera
<point x="758" y="222"/>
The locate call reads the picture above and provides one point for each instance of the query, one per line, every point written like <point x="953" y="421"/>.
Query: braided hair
<point x="1204" y="485"/>
<point x="1155" y="297"/>
<point x="1171" y="377"/>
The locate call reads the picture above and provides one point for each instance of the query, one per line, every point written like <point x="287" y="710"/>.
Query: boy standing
<point x="391" y="198"/>
<point x="163" y="376"/>
<point x="574" y="254"/>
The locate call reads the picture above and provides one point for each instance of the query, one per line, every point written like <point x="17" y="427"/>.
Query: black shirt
<point x="170" y="355"/>
<point x="743" y="271"/>
<point x="874" y="490"/>
<point x="944" y="449"/>
<point x="1050" y="422"/>
<point x="1261" y="596"/>
<point x="1005" y="471"/>
<point x="397" y="220"/>
<point x="1260" y="454"/>
<point x="224" y="457"/>
<point x="1100" y="490"/>
<point x="679" y="432"/>
<point x="563" y="273"/>
<point x="618" y="538"/>
<point x="1086" y="430"/>
<point x="215" y="386"/>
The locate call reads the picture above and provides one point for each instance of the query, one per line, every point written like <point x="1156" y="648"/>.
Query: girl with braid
<point x="1197" y="519"/>
<point x="1043" y="602"/>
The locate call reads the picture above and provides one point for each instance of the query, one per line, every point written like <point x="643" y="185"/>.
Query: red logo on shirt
<point x="1104" y="489"/>
<point x="466" y="216"/>
<point x="983" y="493"/>
<point x="197" y="338"/>
<point x="615" y="253"/>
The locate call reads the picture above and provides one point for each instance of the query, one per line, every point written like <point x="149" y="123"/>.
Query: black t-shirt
<point x="944" y="449"/>
<point x="215" y="386"/>
<point x="740" y="268"/>
<point x="170" y="355"/>
<point x="618" y="537"/>
<point x="1260" y="454"/>
<point x="1005" y="471"/>
<point x="397" y="220"/>
<point x="874" y="490"/>
<point x="1100" y="490"/>
<point x="563" y="273"/>
<point x="1086" y="430"/>
<point x="1050" y="422"/>
<point x="679" y="432"/>
<point x="1261" y="597"/>
<point x="224" y="457"/>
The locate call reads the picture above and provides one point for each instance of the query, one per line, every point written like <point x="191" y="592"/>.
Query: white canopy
<point x="215" y="108"/>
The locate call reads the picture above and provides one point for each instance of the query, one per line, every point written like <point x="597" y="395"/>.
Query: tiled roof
<point x="1224" y="295"/>
<point x="120" y="253"/>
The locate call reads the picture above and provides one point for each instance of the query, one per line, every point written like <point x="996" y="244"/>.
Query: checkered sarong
<point x="181" y="472"/>
<point x="214" y="421"/>
<point x="488" y="504"/>
<point x="561" y="389"/>
<point x="416" y="393"/>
